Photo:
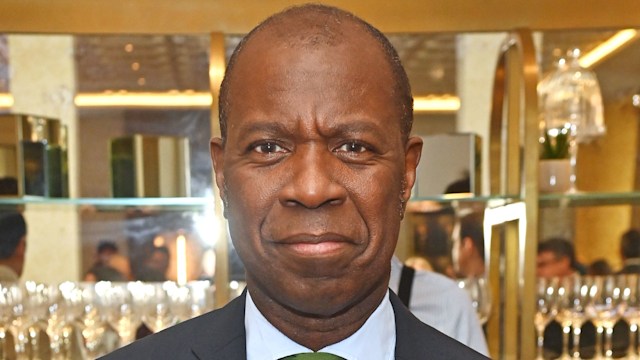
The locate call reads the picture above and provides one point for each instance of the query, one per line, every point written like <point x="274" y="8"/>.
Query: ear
<point x="413" y="150"/>
<point x="466" y="244"/>
<point x="21" y="249"/>
<point x="217" y="157"/>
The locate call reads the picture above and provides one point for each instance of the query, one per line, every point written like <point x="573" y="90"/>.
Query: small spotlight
<point x="128" y="48"/>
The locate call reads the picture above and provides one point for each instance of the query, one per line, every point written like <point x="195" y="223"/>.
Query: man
<point x="468" y="249"/>
<point x="438" y="301"/>
<point x="314" y="166"/>
<point x="556" y="258"/>
<point x="13" y="245"/>
<point x="154" y="265"/>
<point x="630" y="252"/>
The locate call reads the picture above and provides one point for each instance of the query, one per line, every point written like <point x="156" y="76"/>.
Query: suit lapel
<point x="223" y="336"/>
<point x="410" y="334"/>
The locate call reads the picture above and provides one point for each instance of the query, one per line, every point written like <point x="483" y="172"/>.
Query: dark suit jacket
<point x="220" y="335"/>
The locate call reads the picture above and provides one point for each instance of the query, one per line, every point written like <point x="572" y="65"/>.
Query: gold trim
<point x="514" y="143"/>
<point x="239" y="16"/>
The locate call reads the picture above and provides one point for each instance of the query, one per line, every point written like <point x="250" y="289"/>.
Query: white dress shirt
<point x="438" y="301"/>
<point x="375" y="340"/>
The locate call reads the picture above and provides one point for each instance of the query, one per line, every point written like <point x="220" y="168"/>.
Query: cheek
<point x="378" y="203"/>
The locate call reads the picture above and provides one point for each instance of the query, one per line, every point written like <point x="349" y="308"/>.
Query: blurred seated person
<point x="438" y="301"/>
<point x="155" y="265"/>
<point x="432" y="242"/>
<point x="630" y="252"/>
<point x="109" y="264"/>
<point x="13" y="245"/>
<point x="556" y="258"/>
<point x="468" y="248"/>
<point x="599" y="267"/>
<point x="115" y="268"/>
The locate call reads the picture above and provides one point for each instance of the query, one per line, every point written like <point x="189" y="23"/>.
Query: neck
<point x="312" y="331"/>
<point x="475" y="267"/>
<point x="10" y="264"/>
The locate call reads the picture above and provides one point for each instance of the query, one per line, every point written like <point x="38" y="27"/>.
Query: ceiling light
<point x="442" y="104"/>
<point x="143" y="99"/>
<point x="438" y="104"/>
<point x="6" y="100"/>
<point x="607" y="48"/>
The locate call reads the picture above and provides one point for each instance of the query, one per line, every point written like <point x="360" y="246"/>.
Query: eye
<point x="352" y="147"/>
<point x="268" y="147"/>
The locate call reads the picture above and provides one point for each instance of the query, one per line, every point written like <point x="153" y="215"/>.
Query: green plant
<point x="555" y="146"/>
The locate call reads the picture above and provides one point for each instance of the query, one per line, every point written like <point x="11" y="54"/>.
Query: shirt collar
<point x="376" y="339"/>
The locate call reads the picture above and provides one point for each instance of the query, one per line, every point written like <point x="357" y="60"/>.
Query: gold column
<point x="216" y="73"/>
<point x="514" y="144"/>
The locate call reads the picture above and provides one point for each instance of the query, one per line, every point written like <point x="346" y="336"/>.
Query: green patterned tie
<point x="313" y="356"/>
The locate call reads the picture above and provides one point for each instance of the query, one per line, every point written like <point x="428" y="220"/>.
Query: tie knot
<point x="313" y="356"/>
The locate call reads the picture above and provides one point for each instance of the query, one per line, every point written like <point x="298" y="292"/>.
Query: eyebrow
<point x="264" y="126"/>
<point x="357" y="126"/>
<point x="272" y="127"/>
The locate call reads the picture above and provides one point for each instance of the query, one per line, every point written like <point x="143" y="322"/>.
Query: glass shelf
<point x="422" y="204"/>
<point x="434" y="203"/>
<point x="114" y="204"/>
<point x="589" y="199"/>
<point x="426" y="204"/>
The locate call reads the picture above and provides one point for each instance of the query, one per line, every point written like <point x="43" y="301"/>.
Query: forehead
<point x="329" y="64"/>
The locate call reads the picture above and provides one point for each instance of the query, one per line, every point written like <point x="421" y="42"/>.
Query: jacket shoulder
<point x="417" y="340"/>
<point x="213" y="335"/>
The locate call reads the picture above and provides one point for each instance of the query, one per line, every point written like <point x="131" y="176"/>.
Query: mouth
<point x="307" y="245"/>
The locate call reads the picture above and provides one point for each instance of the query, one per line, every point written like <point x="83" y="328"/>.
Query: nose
<point x="314" y="179"/>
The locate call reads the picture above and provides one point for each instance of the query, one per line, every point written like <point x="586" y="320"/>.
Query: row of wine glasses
<point x="574" y="300"/>
<point x="86" y="320"/>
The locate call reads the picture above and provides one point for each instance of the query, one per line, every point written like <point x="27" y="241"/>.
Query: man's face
<point x="313" y="171"/>
<point x="549" y="265"/>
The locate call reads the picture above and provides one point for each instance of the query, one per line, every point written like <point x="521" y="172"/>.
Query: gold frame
<point x="514" y="128"/>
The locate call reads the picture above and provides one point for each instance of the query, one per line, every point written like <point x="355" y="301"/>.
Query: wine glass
<point x="631" y="297"/>
<point x="573" y="296"/>
<point x="606" y="306"/>
<point x="478" y="290"/>
<point x="120" y="311"/>
<point x="8" y="299"/>
<point x="201" y="297"/>
<point x="156" y="313"/>
<point x="179" y="299"/>
<point x="94" y="328"/>
<point x="31" y="320"/>
<point x="546" y="309"/>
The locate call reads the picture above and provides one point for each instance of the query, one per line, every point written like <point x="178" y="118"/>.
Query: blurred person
<point x="556" y="258"/>
<point x="155" y="265"/>
<point x="439" y="302"/>
<point x="468" y="249"/>
<point x="599" y="267"/>
<point x="109" y="264"/>
<point x="432" y="242"/>
<point x="114" y="268"/>
<point x="630" y="252"/>
<point x="13" y="245"/>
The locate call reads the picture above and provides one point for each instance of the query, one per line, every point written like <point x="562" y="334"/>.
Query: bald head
<point x="313" y="27"/>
